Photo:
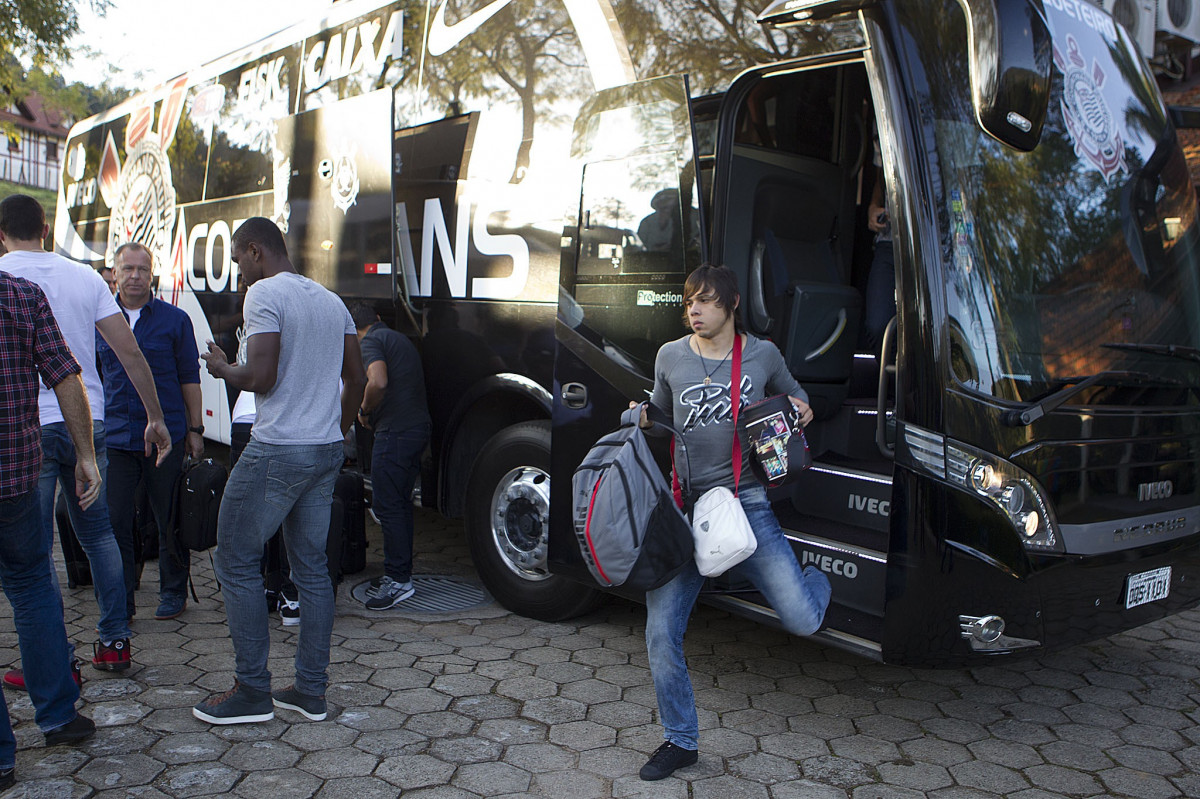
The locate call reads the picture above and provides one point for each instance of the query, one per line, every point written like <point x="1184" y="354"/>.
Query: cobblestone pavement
<point x="484" y="703"/>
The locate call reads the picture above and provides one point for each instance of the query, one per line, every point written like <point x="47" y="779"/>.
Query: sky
<point x="165" y="38"/>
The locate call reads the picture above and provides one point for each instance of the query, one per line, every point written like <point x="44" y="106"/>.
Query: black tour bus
<point x="523" y="185"/>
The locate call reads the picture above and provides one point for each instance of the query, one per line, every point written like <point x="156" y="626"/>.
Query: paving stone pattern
<point x="482" y="703"/>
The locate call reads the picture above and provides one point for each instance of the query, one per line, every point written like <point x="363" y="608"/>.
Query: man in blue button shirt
<point x="166" y="338"/>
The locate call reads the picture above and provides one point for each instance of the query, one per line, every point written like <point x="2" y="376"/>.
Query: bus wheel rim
<point x="520" y="519"/>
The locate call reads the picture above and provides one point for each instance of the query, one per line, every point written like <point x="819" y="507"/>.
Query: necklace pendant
<point x="707" y="381"/>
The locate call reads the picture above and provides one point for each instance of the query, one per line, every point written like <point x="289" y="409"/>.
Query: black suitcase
<point x="349" y="489"/>
<point x="334" y="543"/>
<point x="79" y="570"/>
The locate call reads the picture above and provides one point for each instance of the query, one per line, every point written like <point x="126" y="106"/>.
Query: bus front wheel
<point x="508" y="523"/>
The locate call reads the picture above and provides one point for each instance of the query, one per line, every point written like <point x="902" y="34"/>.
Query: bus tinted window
<point x="1090" y="239"/>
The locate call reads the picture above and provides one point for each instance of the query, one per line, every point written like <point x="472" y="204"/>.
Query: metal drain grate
<point x="434" y="594"/>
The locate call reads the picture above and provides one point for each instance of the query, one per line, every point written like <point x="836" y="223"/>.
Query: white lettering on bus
<point x="219" y="274"/>
<point x="1087" y="14"/>
<point x="878" y="506"/>
<point x="263" y="86"/>
<point x="81" y="193"/>
<point x="435" y="234"/>
<point x="326" y="61"/>
<point x="826" y="563"/>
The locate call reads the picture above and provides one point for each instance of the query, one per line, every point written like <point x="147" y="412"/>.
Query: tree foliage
<point x="36" y="33"/>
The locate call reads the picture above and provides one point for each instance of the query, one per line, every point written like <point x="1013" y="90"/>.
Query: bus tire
<point x="507" y="522"/>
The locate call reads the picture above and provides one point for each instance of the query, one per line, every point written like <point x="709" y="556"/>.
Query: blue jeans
<point x="27" y="574"/>
<point x="92" y="526"/>
<point x="275" y="484"/>
<point x="800" y="597"/>
<point x="125" y="471"/>
<point x="395" y="464"/>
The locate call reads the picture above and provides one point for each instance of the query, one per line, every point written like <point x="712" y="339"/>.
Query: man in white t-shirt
<point x="299" y="340"/>
<point x="82" y="305"/>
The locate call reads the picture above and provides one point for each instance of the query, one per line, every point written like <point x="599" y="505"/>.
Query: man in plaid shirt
<point x="32" y="345"/>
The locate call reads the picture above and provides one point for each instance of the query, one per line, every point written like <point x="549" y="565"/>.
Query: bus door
<point x="635" y="235"/>
<point x="794" y="167"/>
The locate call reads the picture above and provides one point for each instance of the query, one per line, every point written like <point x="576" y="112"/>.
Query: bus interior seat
<point x="804" y="305"/>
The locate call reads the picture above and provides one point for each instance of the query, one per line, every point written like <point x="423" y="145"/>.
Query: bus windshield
<point x="1050" y="257"/>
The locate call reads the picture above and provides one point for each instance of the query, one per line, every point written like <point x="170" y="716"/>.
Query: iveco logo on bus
<point x="1160" y="490"/>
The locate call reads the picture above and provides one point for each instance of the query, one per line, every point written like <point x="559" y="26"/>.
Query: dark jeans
<point x="277" y="574"/>
<point x="395" y="464"/>
<point x="27" y="574"/>
<point x="125" y="471"/>
<point x="881" y="295"/>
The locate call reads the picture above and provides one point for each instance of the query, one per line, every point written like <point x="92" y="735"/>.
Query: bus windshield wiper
<point x="1170" y="350"/>
<point x="1039" y="409"/>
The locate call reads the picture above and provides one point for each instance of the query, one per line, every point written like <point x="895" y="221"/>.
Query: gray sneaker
<point x="390" y="594"/>
<point x="311" y="707"/>
<point x="240" y="705"/>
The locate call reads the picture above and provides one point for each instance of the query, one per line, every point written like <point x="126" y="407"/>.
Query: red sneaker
<point x="15" y="678"/>
<point x="112" y="658"/>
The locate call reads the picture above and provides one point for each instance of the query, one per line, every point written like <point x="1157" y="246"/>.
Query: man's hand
<point x="803" y="409"/>
<point x="877" y="218"/>
<point x="156" y="435"/>
<point x="644" y="421"/>
<point x="194" y="446"/>
<point x="87" y="481"/>
<point x="215" y="360"/>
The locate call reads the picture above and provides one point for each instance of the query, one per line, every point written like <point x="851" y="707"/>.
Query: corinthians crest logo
<point x="140" y="191"/>
<point x="1086" y="112"/>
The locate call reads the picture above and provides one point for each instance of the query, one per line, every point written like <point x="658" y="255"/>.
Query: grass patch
<point x="48" y="199"/>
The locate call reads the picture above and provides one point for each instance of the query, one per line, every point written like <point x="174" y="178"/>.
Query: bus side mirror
<point x="1011" y="57"/>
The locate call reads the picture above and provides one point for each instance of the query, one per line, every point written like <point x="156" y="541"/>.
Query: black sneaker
<point x="8" y="778"/>
<point x="311" y="707"/>
<point x="77" y="729"/>
<point x="239" y="705"/>
<point x="390" y="594"/>
<point x="665" y="760"/>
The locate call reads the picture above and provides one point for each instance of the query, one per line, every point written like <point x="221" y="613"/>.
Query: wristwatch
<point x="363" y="412"/>
<point x="197" y="429"/>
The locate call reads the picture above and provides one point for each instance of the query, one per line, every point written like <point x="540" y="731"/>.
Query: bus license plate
<point x="1148" y="587"/>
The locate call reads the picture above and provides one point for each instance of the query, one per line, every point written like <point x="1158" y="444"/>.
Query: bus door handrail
<point x="887" y="371"/>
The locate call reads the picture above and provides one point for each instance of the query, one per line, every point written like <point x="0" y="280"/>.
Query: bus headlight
<point x="1010" y="489"/>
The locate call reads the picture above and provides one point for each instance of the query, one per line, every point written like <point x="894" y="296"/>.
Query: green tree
<point x="36" y="33"/>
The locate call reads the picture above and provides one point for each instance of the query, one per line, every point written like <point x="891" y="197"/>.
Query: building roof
<point x="32" y="114"/>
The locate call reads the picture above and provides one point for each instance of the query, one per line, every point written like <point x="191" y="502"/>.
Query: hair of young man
<point x="22" y="217"/>
<point x="135" y="247"/>
<point x="363" y="315"/>
<point x="721" y="282"/>
<point x="261" y="231"/>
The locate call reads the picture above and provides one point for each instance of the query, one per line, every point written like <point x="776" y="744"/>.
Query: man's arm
<point x="353" y="380"/>
<point x="192" y="403"/>
<point x="77" y="414"/>
<point x="377" y="382"/>
<point x="117" y="334"/>
<point x="258" y="373"/>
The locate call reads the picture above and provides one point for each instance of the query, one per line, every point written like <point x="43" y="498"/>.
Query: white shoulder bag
<point x="720" y="528"/>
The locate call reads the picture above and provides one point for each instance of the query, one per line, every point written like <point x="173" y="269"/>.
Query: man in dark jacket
<point x="164" y="334"/>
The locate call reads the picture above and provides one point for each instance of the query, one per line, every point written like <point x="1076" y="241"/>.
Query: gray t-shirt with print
<point x="702" y="412"/>
<point x="305" y="405"/>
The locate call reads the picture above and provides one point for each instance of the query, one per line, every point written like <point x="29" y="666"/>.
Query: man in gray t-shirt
<point x="299" y="341"/>
<point x="693" y="381"/>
